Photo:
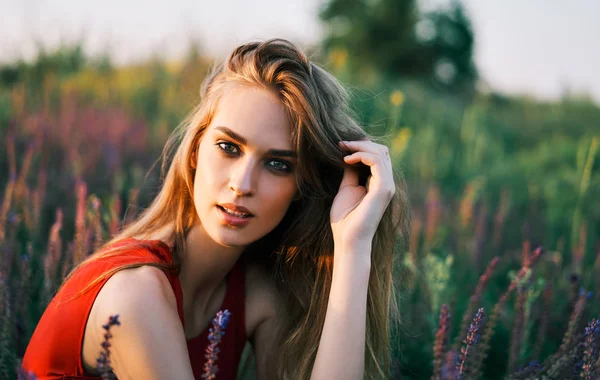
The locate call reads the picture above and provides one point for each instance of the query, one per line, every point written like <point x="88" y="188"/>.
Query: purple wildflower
<point x="470" y="341"/>
<point x="448" y="370"/>
<point x="220" y="323"/>
<point x="13" y="218"/>
<point x="441" y="338"/>
<point x="592" y="333"/>
<point x="476" y="299"/>
<point x="573" y="321"/>
<point x="103" y="361"/>
<point x="81" y="191"/>
<point x="481" y="354"/>
<point x="22" y="374"/>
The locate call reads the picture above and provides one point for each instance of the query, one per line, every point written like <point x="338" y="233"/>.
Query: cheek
<point x="278" y="195"/>
<point x="209" y="166"/>
<point x="206" y="177"/>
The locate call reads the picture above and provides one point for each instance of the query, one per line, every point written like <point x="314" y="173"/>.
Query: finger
<point x="373" y="161"/>
<point x="367" y="158"/>
<point x="365" y="146"/>
<point x="370" y="147"/>
<point x="350" y="177"/>
<point x="382" y="177"/>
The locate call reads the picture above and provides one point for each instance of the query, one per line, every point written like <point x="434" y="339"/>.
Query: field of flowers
<point x="502" y="278"/>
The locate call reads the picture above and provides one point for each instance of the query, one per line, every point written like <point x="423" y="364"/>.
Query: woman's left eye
<point x="281" y="165"/>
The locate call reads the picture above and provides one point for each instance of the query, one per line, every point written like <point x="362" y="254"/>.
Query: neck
<point x="204" y="266"/>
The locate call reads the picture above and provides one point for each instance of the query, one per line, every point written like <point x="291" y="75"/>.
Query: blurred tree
<point x="63" y="61"/>
<point x="396" y="39"/>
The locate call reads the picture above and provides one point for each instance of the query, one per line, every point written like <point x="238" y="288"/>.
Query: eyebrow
<point x="242" y="140"/>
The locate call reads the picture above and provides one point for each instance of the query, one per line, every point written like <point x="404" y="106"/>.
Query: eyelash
<point x="228" y="153"/>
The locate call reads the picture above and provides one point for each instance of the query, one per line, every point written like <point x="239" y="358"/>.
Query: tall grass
<point x="489" y="180"/>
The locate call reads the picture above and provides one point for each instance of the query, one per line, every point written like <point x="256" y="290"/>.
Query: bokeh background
<point x="491" y="111"/>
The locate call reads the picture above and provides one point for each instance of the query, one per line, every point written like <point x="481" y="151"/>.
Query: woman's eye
<point x="280" y="165"/>
<point x="227" y="147"/>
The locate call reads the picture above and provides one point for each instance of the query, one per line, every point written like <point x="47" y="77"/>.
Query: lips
<point x="233" y="220"/>
<point x="236" y="208"/>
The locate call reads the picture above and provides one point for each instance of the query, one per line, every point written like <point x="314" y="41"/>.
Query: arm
<point x="355" y="214"/>
<point x="150" y="342"/>
<point x="343" y="337"/>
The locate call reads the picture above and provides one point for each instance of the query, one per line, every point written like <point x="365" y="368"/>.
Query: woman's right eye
<point x="228" y="148"/>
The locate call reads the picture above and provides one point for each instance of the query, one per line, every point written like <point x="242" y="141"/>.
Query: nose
<point x="241" y="181"/>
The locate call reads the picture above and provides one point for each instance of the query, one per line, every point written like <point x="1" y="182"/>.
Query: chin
<point x="230" y="241"/>
<point x="230" y="237"/>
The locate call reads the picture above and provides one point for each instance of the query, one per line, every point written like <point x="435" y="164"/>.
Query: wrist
<point x="358" y="247"/>
<point x="356" y="255"/>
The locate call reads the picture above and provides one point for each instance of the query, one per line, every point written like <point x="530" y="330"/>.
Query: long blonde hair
<point x="299" y="251"/>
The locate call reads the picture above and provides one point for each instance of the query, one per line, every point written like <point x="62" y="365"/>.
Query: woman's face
<point x="245" y="158"/>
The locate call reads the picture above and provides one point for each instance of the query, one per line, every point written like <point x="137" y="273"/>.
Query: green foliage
<point x="437" y="272"/>
<point x="484" y="175"/>
<point x="61" y="62"/>
<point x="393" y="38"/>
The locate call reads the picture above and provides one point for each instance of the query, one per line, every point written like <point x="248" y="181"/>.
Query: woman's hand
<point x="357" y="210"/>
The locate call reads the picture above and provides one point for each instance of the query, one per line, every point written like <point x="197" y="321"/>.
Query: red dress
<point x="54" y="351"/>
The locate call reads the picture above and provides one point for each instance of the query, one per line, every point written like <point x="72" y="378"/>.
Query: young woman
<point x="275" y="205"/>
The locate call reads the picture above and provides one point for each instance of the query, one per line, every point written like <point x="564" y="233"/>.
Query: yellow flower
<point x="338" y="58"/>
<point x="401" y="140"/>
<point x="174" y="67"/>
<point x="397" y="98"/>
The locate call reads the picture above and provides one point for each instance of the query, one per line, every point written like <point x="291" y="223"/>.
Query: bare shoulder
<point x="127" y="287"/>
<point x="150" y="342"/>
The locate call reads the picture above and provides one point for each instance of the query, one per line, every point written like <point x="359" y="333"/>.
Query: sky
<point x="537" y="47"/>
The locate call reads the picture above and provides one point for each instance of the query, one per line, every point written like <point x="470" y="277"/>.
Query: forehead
<point x="256" y="114"/>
